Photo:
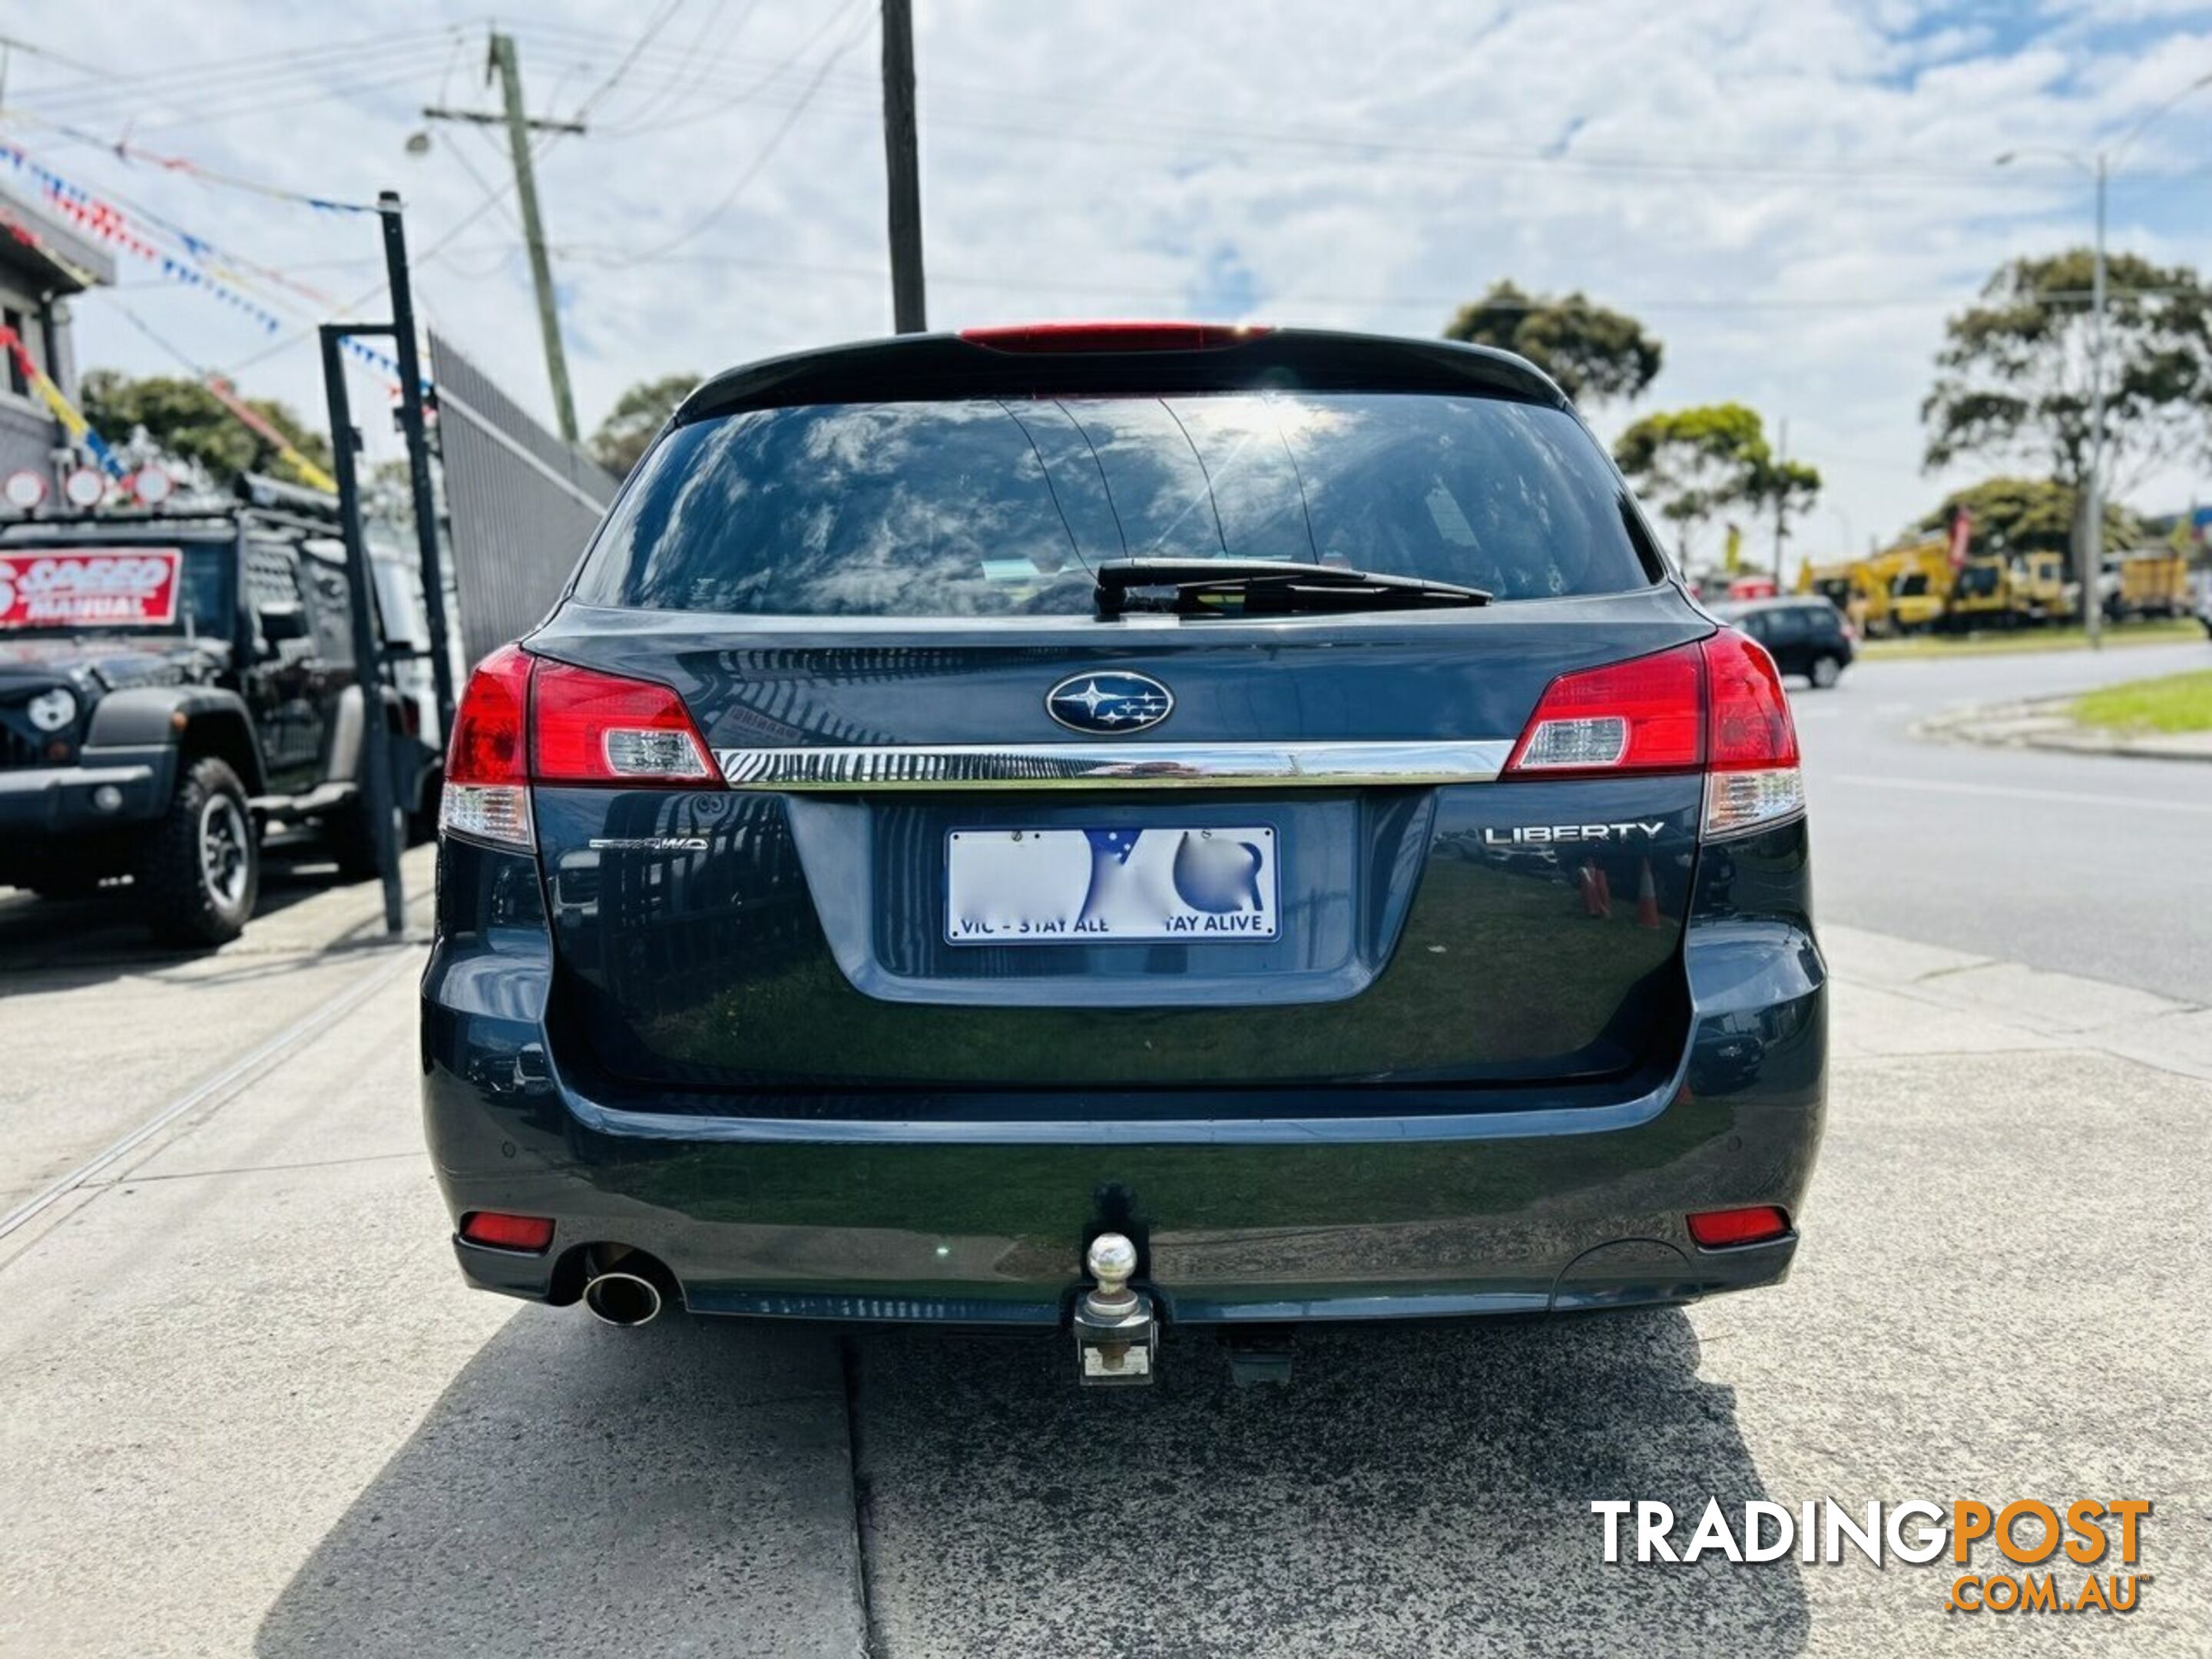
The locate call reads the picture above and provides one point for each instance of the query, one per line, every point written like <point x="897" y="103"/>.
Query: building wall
<point x="41" y="265"/>
<point x="28" y="431"/>
<point x="25" y="440"/>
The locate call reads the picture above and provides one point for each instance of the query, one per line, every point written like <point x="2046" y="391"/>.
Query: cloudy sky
<point x="1792" y="196"/>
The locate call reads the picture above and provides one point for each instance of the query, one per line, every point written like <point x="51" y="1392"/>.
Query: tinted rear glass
<point x="991" y="507"/>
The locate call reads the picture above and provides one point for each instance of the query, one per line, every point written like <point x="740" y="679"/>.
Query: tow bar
<point x="1116" y="1336"/>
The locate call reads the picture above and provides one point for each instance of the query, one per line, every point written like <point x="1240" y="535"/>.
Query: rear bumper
<point x="1376" y="1212"/>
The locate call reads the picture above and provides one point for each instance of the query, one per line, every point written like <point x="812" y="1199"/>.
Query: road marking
<point x="231" y="1079"/>
<point x="2131" y="803"/>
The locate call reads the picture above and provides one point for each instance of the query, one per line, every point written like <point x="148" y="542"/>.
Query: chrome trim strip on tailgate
<point x="1117" y="765"/>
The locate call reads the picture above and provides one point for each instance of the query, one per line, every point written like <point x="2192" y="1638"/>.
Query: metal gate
<point x="522" y="503"/>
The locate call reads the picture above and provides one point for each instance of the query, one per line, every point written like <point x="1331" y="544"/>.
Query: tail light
<point x="1751" y="770"/>
<point x="1643" y="715"/>
<point x="590" y="727"/>
<point x="1715" y="705"/>
<point x="487" y="793"/>
<point x="525" y="720"/>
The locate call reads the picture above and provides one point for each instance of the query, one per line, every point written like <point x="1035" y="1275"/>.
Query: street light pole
<point x="2092" y="492"/>
<point x="2092" y="535"/>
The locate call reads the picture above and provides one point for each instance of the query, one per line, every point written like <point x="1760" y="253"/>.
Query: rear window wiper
<point x="1263" y="587"/>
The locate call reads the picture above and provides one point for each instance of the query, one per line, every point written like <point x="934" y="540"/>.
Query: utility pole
<point x="902" y="169"/>
<point x="503" y="63"/>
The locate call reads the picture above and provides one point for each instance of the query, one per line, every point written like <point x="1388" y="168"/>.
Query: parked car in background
<point x="1104" y="825"/>
<point x="172" y="682"/>
<point x="1807" y="637"/>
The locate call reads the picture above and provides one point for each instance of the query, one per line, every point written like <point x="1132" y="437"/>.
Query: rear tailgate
<point x="1391" y="927"/>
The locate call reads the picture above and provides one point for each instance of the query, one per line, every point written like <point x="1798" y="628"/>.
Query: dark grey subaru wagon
<point x="1094" y="827"/>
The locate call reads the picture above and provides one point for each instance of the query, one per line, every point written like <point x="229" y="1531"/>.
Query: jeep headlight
<point x="51" y="711"/>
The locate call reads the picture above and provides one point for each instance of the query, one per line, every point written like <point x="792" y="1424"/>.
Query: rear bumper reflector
<point x="1722" y="1229"/>
<point x="499" y="1230"/>
<point x="1115" y="765"/>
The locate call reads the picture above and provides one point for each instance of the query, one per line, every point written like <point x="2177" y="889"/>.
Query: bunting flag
<point x="206" y="268"/>
<point x="75" y="424"/>
<point x="108" y="223"/>
<point x="251" y="419"/>
<point x="127" y="152"/>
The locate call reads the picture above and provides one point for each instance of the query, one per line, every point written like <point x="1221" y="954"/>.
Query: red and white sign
<point x="106" y="587"/>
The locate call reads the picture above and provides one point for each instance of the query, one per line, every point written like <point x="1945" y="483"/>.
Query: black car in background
<point x="172" y="684"/>
<point x="1107" y="826"/>
<point x="1806" y="637"/>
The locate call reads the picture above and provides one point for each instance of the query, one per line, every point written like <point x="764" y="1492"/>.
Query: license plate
<point x="1110" y="884"/>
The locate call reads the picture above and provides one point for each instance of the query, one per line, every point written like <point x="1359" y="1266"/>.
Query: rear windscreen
<point x="1002" y="507"/>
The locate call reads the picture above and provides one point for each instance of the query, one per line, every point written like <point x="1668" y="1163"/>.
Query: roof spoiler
<point x="1049" y="360"/>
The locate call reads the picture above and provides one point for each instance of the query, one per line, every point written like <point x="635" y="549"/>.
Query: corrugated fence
<point x="522" y="503"/>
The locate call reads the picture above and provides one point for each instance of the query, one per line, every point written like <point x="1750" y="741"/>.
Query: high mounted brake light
<point x="1715" y="705"/>
<point x="524" y="720"/>
<point x="1114" y="337"/>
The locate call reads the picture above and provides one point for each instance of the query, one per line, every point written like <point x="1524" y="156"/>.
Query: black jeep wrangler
<point x="172" y="683"/>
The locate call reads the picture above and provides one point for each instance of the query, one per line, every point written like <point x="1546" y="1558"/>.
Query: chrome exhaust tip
<point x="621" y="1299"/>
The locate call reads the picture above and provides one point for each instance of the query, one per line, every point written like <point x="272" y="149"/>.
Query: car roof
<point x="1102" y="358"/>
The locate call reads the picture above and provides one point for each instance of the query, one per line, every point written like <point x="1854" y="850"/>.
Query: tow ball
<point x="1117" y="1339"/>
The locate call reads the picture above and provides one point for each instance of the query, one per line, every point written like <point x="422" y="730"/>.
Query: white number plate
<point x="1111" y="884"/>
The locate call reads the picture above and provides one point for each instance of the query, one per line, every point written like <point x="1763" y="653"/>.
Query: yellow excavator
<point x="1849" y="585"/>
<point x="1995" y="590"/>
<point x="1920" y="580"/>
<point x="2039" y="585"/>
<point x="1982" y="593"/>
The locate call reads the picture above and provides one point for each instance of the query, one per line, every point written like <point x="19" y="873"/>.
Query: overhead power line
<point x="659" y="23"/>
<point x="1139" y="121"/>
<point x="761" y="157"/>
<point x="136" y="92"/>
<point x="733" y="96"/>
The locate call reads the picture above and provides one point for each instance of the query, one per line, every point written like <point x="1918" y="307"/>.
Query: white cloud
<point x="1788" y="195"/>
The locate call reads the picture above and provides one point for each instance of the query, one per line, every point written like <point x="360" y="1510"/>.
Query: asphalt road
<point x="2083" y="863"/>
<point x="245" y="1405"/>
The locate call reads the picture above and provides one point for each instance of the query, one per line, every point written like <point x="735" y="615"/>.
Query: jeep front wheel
<point x="200" y="871"/>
